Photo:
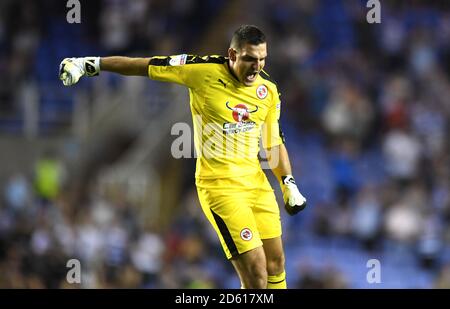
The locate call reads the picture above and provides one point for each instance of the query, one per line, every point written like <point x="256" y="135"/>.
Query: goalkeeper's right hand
<point x="71" y="69"/>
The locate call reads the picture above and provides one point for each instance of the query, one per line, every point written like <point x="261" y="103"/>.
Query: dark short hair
<point x="247" y="34"/>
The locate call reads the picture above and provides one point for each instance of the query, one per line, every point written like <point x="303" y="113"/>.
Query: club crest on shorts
<point x="261" y="92"/>
<point x="246" y="234"/>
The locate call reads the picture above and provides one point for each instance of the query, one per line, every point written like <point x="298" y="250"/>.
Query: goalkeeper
<point x="233" y="103"/>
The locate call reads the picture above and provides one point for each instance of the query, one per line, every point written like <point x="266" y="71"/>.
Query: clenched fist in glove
<point x="294" y="201"/>
<point x="71" y="69"/>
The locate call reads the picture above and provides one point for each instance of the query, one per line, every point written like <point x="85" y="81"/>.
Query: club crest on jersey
<point x="246" y="234"/>
<point x="261" y="92"/>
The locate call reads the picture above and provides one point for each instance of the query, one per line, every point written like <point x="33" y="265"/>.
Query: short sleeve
<point x="186" y="70"/>
<point x="271" y="131"/>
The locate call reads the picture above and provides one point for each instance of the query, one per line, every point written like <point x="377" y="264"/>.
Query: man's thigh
<point x="229" y="210"/>
<point x="267" y="211"/>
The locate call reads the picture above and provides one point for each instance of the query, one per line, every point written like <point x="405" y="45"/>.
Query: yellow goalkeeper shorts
<point x="242" y="210"/>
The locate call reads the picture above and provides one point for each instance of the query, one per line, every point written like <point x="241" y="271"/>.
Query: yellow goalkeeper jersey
<point x="229" y="118"/>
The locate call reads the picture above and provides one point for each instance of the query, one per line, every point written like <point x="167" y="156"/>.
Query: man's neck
<point x="230" y="68"/>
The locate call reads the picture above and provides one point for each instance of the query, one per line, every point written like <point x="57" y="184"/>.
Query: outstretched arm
<point x="72" y="69"/>
<point x="125" y="65"/>
<point x="280" y="165"/>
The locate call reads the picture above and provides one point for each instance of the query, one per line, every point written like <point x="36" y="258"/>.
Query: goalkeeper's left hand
<point x="72" y="69"/>
<point x="294" y="201"/>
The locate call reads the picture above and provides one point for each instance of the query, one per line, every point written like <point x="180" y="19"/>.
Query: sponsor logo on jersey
<point x="238" y="127"/>
<point x="241" y="114"/>
<point x="261" y="92"/>
<point x="246" y="234"/>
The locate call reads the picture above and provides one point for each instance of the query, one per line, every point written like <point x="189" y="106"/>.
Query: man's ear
<point x="232" y="54"/>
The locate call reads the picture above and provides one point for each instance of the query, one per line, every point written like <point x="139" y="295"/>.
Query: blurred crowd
<point x="365" y="113"/>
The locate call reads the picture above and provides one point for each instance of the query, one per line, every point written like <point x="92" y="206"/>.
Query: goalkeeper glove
<point x="294" y="201"/>
<point x="71" y="69"/>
